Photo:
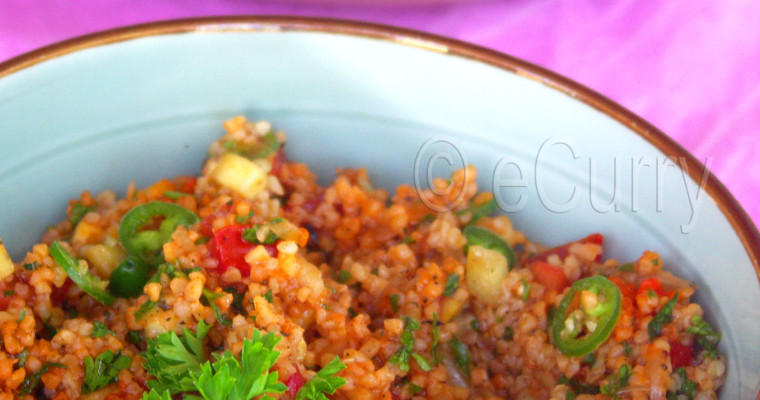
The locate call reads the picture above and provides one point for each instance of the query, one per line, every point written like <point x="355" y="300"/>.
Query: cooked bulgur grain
<point x="379" y="281"/>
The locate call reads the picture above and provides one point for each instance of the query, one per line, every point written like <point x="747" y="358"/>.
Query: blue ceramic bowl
<point x="143" y="102"/>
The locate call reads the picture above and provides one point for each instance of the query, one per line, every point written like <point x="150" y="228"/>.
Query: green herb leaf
<point x="707" y="338"/>
<point x="8" y="293"/>
<point x="78" y="211"/>
<point x="100" y="330"/>
<point x="688" y="387"/>
<point x="268" y="296"/>
<point x="103" y="370"/>
<point x="413" y="389"/>
<point x="171" y="359"/>
<point x="209" y="298"/>
<point x="344" y="276"/>
<point x="31" y="381"/>
<point x="627" y="267"/>
<point x="617" y="382"/>
<point x="323" y="382"/>
<point x="452" y="283"/>
<point x="422" y="362"/>
<point x="250" y="235"/>
<point x="628" y="349"/>
<point x="22" y="357"/>
<point x="394" y="299"/>
<point x="437" y="357"/>
<point x="31" y="266"/>
<point x="664" y="316"/>
<point x="461" y="355"/>
<point x="144" y="309"/>
<point x="508" y="334"/>
<point x="480" y="211"/>
<point x="135" y="337"/>
<point x="525" y="290"/>
<point x="402" y="355"/>
<point x="577" y="387"/>
<point x="230" y="378"/>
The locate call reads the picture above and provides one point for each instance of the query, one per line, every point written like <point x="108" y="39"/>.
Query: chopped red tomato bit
<point x="294" y="383"/>
<point x="653" y="284"/>
<point x="626" y="289"/>
<point x="680" y="355"/>
<point x="552" y="277"/>
<point x="229" y="248"/>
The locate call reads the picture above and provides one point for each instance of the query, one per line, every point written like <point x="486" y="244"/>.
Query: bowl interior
<point x="146" y="108"/>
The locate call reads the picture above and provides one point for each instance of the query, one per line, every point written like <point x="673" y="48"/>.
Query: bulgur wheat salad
<point x="251" y="281"/>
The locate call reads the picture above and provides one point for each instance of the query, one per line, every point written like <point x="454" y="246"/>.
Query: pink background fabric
<point x="692" y="68"/>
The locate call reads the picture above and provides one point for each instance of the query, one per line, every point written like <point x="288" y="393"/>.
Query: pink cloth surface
<point x="690" y="68"/>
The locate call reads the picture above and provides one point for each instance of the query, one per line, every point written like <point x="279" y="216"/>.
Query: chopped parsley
<point x="525" y="290"/>
<point x="577" y="387"/>
<point x="627" y="267"/>
<point x="664" y="316"/>
<point x="8" y="293"/>
<point x="22" y="357"/>
<point x="78" y="211"/>
<point x="394" y="299"/>
<point x="437" y="357"/>
<point x="480" y="211"/>
<point x="100" y="330"/>
<point x="403" y="356"/>
<point x="103" y="370"/>
<point x="268" y="296"/>
<point x="688" y="387"/>
<point x="461" y="355"/>
<point x="508" y="334"/>
<point x="209" y="297"/>
<point x="628" y="349"/>
<point x="707" y="338"/>
<point x="251" y="235"/>
<point x="452" y="283"/>
<point x="344" y="276"/>
<point x="323" y="382"/>
<point x="413" y="389"/>
<point x="135" y="337"/>
<point x="31" y="266"/>
<point x="144" y="309"/>
<point x="617" y="382"/>
<point x="31" y="381"/>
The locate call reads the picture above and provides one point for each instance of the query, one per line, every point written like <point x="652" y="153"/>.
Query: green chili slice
<point x="478" y="236"/>
<point x="580" y="331"/>
<point x="89" y="283"/>
<point x="144" y="229"/>
<point x="129" y="278"/>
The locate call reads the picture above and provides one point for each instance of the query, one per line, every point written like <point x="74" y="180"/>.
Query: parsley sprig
<point x="171" y="358"/>
<point x="323" y="382"/>
<point x="180" y="366"/>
